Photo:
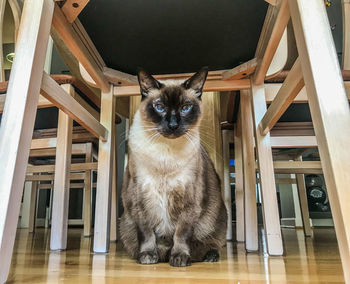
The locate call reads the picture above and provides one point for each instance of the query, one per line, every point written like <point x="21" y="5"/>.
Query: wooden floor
<point x="306" y="261"/>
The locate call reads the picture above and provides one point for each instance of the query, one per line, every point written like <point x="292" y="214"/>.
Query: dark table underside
<point x="174" y="36"/>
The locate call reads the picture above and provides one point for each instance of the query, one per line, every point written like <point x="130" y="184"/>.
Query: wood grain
<point x="266" y="173"/>
<point x="60" y="203"/>
<point x="304" y="208"/>
<point x="50" y="177"/>
<point x="284" y="98"/>
<point x="239" y="186"/>
<point x="250" y="207"/>
<point x="306" y="261"/>
<point x="53" y="92"/>
<point x="104" y="177"/>
<point x="275" y="23"/>
<point x="330" y="114"/>
<point x="240" y="71"/>
<point x="87" y="192"/>
<point x="209" y="86"/>
<point x="18" y="119"/>
<point x="78" y="48"/>
<point x="293" y="142"/>
<point x="52" y="168"/>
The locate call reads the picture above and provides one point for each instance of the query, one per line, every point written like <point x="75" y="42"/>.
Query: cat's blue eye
<point x="159" y="108"/>
<point x="186" y="108"/>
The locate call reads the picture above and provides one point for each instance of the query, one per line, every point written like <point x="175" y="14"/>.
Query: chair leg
<point x="227" y="187"/>
<point x="25" y="208"/>
<point x="2" y="12"/>
<point x="251" y="217"/>
<point x="87" y="193"/>
<point x="18" y="119"/>
<point x="239" y="195"/>
<point x="33" y="206"/>
<point x="104" y="175"/>
<point x="60" y="203"/>
<point x="266" y="174"/>
<point x="303" y="203"/>
<point x="329" y="109"/>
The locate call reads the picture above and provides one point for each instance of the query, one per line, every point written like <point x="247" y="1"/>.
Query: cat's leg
<point x="212" y="256"/>
<point x="180" y="253"/>
<point x="164" y="245"/>
<point x="148" y="246"/>
<point x="127" y="226"/>
<point x="204" y="251"/>
<point x="138" y="240"/>
<point x="129" y="235"/>
<point x="212" y="237"/>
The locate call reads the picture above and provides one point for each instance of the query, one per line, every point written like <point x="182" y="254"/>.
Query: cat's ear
<point x="196" y="82"/>
<point x="147" y="82"/>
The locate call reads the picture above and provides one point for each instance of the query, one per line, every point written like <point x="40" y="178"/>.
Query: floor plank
<point x="305" y="261"/>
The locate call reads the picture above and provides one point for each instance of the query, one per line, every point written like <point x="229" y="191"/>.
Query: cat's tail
<point x="129" y="235"/>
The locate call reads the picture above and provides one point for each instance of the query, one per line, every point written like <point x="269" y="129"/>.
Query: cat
<point x="173" y="208"/>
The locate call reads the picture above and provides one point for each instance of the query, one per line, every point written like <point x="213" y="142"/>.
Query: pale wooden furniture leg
<point x="25" y="207"/>
<point x="59" y="222"/>
<point x="104" y="174"/>
<point x="33" y="206"/>
<point x="251" y="217"/>
<point x="2" y="12"/>
<point x="239" y="195"/>
<point x="87" y="193"/>
<point x="18" y="119"/>
<point x="266" y="175"/>
<point x="303" y="203"/>
<point x="227" y="187"/>
<point x="329" y="110"/>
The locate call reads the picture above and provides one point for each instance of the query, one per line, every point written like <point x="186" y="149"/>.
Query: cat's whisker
<point x="204" y="132"/>
<point x="210" y="129"/>
<point x="207" y="136"/>
<point x="121" y="142"/>
<point x="136" y="133"/>
<point x="209" y="147"/>
<point x="190" y="140"/>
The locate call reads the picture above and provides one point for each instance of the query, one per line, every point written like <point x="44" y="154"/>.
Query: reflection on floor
<point x="306" y="260"/>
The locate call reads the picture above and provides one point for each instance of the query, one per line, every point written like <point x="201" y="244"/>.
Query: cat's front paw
<point x="180" y="259"/>
<point x="212" y="256"/>
<point x="148" y="257"/>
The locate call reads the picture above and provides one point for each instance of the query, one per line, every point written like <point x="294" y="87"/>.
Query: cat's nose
<point x="173" y="125"/>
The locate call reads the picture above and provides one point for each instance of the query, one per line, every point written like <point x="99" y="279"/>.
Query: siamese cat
<point x="173" y="209"/>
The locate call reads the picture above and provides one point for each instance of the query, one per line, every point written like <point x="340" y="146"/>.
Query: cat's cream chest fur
<point x="161" y="165"/>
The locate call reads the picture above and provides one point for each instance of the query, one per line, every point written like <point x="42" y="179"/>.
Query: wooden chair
<point x="305" y="31"/>
<point x="293" y="85"/>
<point x="46" y="147"/>
<point x="70" y="81"/>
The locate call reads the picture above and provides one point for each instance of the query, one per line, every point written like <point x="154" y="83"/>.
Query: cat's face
<point x="173" y="108"/>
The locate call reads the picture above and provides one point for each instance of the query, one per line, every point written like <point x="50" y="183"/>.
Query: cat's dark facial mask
<point x="173" y="107"/>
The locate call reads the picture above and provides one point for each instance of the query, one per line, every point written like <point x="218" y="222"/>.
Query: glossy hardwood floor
<point x="313" y="260"/>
